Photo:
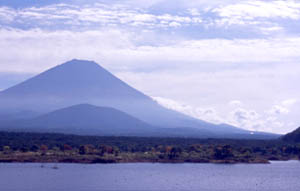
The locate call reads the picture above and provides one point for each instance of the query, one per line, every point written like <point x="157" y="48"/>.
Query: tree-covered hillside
<point x="293" y="136"/>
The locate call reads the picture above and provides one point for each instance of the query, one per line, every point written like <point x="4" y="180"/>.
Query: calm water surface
<point x="283" y="176"/>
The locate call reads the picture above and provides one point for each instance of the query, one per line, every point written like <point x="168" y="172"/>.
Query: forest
<point x="51" y="147"/>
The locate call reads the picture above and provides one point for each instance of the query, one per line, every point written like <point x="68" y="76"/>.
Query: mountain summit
<point x="73" y="79"/>
<point x="73" y="82"/>
<point x="79" y="81"/>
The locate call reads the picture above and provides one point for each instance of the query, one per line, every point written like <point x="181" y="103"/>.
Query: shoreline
<point x="92" y="159"/>
<point x="144" y="162"/>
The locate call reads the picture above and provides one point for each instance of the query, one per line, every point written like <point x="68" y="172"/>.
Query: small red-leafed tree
<point x="109" y="149"/>
<point x="67" y="147"/>
<point x="168" y="149"/>
<point x="43" y="149"/>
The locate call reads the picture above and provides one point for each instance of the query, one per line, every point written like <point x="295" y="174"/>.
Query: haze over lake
<point x="277" y="176"/>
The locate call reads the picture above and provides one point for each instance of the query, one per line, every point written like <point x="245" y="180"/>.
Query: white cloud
<point x="247" y="119"/>
<point x="264" y="9"/>
<point x="60" y="15"/>
<point x="116" y="46"/>
<point x="272" y="120"/>
<point x="194" y="11"/>
<point x="283" y="108"/>
<point x="240" y="117"/>
<point x="257" y="12"/>
<point x="271" y="29"/>
<point x="44" y="49"/>
<point x="6" y="14"/>
<point x="206" y="114"/>
<point x="174" y="24"/>
<point x="235" y="103"/>
<point x="277" y="110"/>
<point x="203" y="15"/>
<point x="289" y="102"/>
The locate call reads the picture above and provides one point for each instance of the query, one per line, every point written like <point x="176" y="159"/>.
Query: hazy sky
<point x="223" y="61"/>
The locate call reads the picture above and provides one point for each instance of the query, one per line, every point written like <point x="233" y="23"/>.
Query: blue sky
<point x="223" y="61"/>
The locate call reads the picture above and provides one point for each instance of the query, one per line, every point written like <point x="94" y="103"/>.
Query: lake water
<point x="146" y="176"/>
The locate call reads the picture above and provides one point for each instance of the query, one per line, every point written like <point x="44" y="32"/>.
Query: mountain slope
<point x="78" y="81"/>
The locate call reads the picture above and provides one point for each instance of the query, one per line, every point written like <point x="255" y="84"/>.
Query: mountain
<point x="78" y="81"/>
<point x="293" y="136"/>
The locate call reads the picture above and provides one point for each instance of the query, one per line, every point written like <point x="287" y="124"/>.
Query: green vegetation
<point x="47" y="147"/>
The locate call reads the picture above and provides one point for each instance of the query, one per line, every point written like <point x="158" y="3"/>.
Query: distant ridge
<point x="87" y="119"/>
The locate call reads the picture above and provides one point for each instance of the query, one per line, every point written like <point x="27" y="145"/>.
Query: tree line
<point x="147" y="148"/>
